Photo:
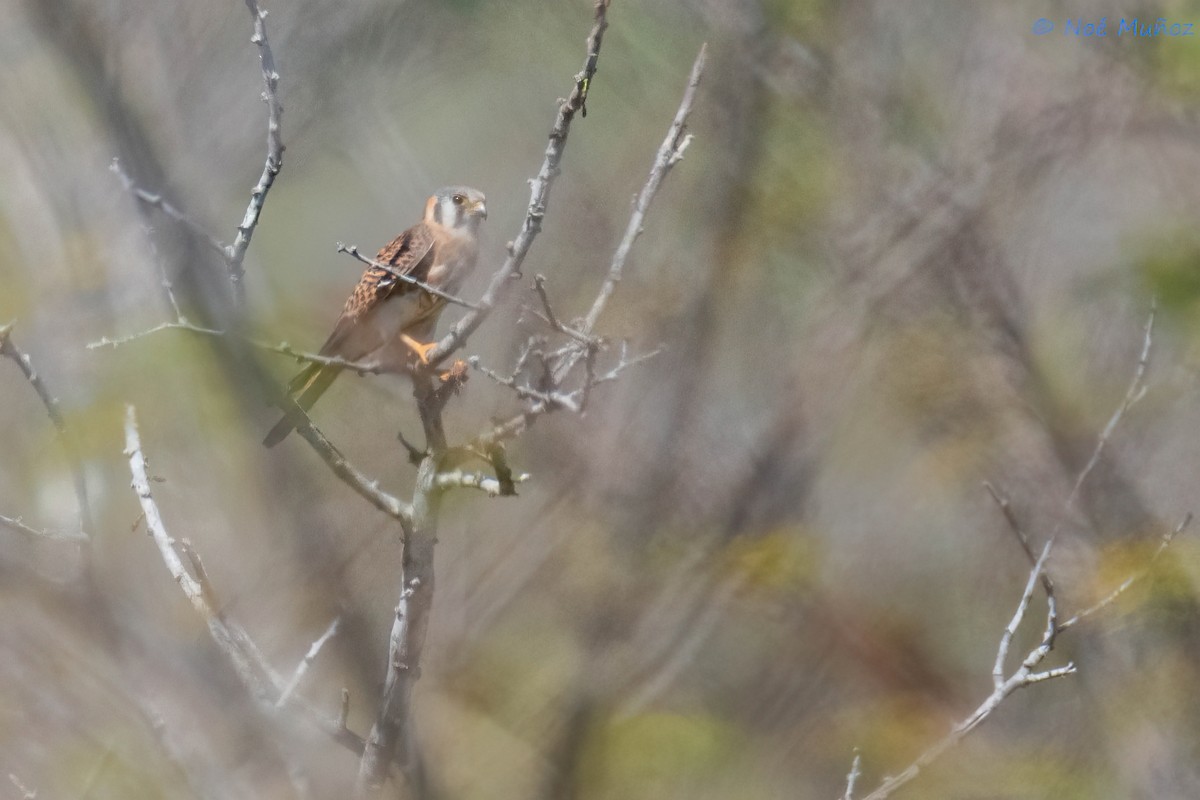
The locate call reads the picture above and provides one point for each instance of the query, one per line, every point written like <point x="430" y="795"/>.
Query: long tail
<point x="308" y="386"/>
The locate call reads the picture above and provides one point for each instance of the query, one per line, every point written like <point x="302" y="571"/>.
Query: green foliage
<point x="1176" y="60"/>
<point x="658" y="755"/>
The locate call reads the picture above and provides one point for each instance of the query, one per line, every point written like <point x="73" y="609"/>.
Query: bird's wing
<point x="408" y="254"/>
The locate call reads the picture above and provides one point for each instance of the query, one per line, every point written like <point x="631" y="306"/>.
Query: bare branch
<point x="236" y="252"/>
<point x="458" y="479"/>
<point x="309" y="657"/>
<point x="395" y="273"/>
<point x="161" y="204"/>
<point x="853" y="776"/>
<point x="248" y="672"/>
<point x="669" y="154"/>
<point x="1018" y="616"/>
<point x="1006" y="509"/>
<point x="17" y="524"/>
<point x="283" y="348"/>
<point x="9" y="350"/>
<point x="1002" y="687"/>
<point x="347" y="472"/>
<point x="1135" y="392"/>
<point x="1112" y="596"/>
<point x="539" y="196"/>
<point x="255" y="674"/>
<point x="549" y="399"/>
<point x="539" y="285"/>
<point x="26" y="793"/>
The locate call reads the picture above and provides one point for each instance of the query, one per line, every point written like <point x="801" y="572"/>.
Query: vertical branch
<point x="539" y="195"/>
<point x="236" y="252"/>
<point x="393" y="722"/>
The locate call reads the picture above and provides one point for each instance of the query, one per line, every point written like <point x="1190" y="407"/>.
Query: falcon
<point x="386" y="321"/>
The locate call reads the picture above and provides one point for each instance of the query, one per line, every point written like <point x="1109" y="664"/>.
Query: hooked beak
<point x="479" y="209"/>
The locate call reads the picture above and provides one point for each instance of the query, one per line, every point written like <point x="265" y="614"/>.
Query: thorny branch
<point x="25" y="364"/>
<point x="584" y="347"/>
<point x="236" y="252"/>
<point x="283" y="348"/>
<point x="539" y="196"/>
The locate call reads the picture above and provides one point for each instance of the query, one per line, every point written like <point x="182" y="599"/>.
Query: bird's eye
<point x="459" y="199"/>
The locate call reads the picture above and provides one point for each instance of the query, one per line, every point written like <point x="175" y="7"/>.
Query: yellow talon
<point x="422" y="350"/>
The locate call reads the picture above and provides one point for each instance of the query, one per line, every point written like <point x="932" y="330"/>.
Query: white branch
<point x="305" y="662"/>
<point x="458" y="479"/>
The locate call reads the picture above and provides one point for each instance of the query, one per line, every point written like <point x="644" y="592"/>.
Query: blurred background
<point x="911" y="249"/>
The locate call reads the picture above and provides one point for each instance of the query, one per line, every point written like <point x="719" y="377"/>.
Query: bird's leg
<point x="458" y="370"/>
<point x="422" y="350"/>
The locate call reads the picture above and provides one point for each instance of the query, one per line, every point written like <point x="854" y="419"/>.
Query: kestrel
<point x="386" y="320"/>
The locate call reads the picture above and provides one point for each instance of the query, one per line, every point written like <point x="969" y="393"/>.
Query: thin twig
<point x="539" y="285"/>
<point x="549" y="399"/>
<point x="236" y="252"/>
<point x="161" y="204"/>
<point x="148" y="233"/>
<point x="539" y="195"/>
<point x="302" y="668"/>
<point x="669" y="153"/>
<point x="283" y="348"/>
<point x="17" y="524"/>
<point x="1112" y="596"/>
<point x="1135" y="392"/>
<point x="352" y="250"/>
<point x="1002" y="687"/>
<point x="1018" y="616"/>
<point x="347" y="472"/>
<point x="9" y="350"/>
<point x="1010" y="517"/>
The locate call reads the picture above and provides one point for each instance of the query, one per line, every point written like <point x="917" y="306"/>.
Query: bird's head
<point x="457" y="207"/>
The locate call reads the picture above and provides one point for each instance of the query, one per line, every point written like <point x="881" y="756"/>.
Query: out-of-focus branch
<point x="539" y="196"/>
<point x="251" y="674"/>
<point x="18" y="525"/>
<point x="545" y="398"/>
<point x="161" y="204"/>
<point x="352" y="250"/>
<point x="1112" y="596"/>
<point x="1135" y="392"/>
<point x="236" y="252"/>
<point x="25" y="364"/>
<point x="252" y="670"/>
<point x="347" y="472"/>
<point x="1024" y="675"/>
<point x="283" y="348"/>
<point x="670" y="152"/>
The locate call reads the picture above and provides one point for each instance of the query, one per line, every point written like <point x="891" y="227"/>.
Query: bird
<point x="386" y="321"/>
